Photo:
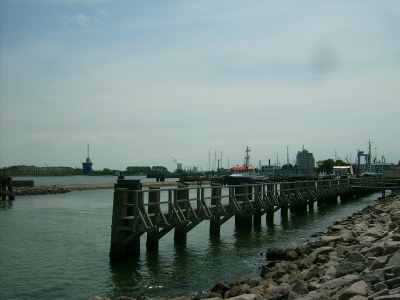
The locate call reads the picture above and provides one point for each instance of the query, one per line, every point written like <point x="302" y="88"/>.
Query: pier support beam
<point x="270" y="214"/>
<point x="243" y="221"/>
<point x="180" y="234"/>
<point x="284" y="210"/>
<point x="242" y="193"/>
<point x="257" y="218"/>
<point x="215" y="226"/>
<point x="152" y="237"/>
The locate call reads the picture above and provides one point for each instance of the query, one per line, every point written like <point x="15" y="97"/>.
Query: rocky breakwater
<point x="40" y="190"/>
<point x="356" y="258"/>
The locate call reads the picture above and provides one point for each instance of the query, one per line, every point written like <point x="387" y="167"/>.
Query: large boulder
<point x="300" y="287"/>
<point x="339" y="282"/>
<point x="238" y="290"/>
<point x="291" y="255"/>
<point x="355" y="257"/>
<point x="345" y="268"/>
<point x="275" y="253"/>
<point x="277" y="292"/>
<point x="394" y="260"/>
<point x="221" y="287"/>
<point x="358" y="288"/>
<point x="312" y="258"/>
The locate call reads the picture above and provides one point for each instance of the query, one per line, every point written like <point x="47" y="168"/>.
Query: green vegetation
<point x="138" y="170"/>
<point x="105" y="171"/>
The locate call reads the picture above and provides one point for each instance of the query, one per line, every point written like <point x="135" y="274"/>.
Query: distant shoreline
<point x="102" y="186"/>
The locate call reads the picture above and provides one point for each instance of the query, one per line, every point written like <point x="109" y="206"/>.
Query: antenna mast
<point x="287" y="155"/>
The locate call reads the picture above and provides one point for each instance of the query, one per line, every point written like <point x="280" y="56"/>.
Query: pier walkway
<point x="375" y="184"/>
<point x="157" y="211"/>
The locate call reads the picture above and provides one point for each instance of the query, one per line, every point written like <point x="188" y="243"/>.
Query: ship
<point x="245" y="173"/>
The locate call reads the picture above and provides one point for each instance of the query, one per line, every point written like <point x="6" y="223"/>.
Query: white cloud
<point x="79" y="19"/>
<point x="82" y="20"/>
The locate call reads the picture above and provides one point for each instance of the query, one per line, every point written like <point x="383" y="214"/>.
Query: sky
<point x="150" y="83"/>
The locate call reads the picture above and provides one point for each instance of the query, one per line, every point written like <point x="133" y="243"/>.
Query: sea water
<point x="57" y="246"/>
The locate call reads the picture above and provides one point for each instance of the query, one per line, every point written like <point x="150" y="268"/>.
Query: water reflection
<point x="285" y="222"/>
<point x="6" y="204"/>
<point x="126" y="277"/>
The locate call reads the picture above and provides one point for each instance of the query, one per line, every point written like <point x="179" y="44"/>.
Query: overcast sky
<point x="145" y="81"/>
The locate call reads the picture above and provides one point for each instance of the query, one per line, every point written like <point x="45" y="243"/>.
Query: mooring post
<point x="121" y="246"/>
<point x="216" y="193"/>
<point x="152" y="237"/>
<point x="180" y="234"/>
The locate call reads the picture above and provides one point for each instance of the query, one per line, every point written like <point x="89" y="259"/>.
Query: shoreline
<point x="356" y="258"/>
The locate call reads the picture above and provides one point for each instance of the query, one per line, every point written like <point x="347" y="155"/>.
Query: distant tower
<point x="305" y="161"/>
<point x="87" y="165"/>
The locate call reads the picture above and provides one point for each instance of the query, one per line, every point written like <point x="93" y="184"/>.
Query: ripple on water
<point x="56" y="246"/>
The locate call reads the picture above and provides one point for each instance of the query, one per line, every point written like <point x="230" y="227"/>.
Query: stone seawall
<point x="357" y="258"/>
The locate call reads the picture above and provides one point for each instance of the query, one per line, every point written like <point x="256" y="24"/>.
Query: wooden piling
<point x="243" y="193"/>
<point x="180" y="234"/>
<point x="215" y="225"/>
<point x="152" y="237"/>
<point x="270" y="214"/>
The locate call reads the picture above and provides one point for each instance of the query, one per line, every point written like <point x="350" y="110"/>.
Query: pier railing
<point x="157" y="211"/>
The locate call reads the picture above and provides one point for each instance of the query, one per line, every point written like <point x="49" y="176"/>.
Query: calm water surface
<point x="56" y="247"/>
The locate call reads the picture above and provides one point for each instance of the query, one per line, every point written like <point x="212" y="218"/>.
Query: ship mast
<point x="369" y="156"/>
